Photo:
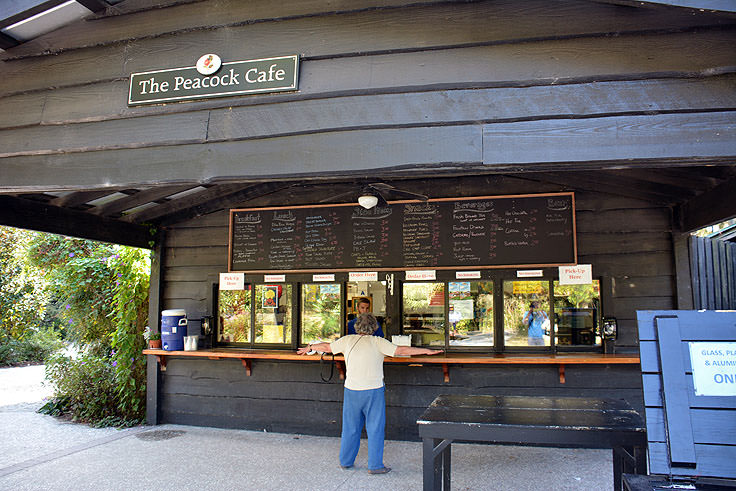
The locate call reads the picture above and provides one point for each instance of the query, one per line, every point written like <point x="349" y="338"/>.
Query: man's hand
<point x="316" y="347"/>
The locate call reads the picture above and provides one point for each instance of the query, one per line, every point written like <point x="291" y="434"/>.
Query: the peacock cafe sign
<point x="212" y="78"/>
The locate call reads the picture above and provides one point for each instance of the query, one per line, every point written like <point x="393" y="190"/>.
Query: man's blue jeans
<point x="361" y="407"/>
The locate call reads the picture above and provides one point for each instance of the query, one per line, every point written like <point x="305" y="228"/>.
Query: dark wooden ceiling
<point x="699" y="196"/>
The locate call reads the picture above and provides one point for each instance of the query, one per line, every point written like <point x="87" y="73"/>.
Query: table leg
<point x="446" y="458"/>
<point x="431" y="465"/>
<point x="618" y="464"/>
<point x="640" y="459"/>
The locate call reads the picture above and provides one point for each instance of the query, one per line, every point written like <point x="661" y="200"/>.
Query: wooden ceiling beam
<point x="81" y="197"/>
<point x="221" y="201"/>
<point x="714" y="173"/>
<point x="94" y="5"/>
<point x="33" y="215"/>
<point x="7" y="42"/>
<point x="573" y="181"/>
<point x="711" y="207"/>
<point x="685" y="178"/>
<point x="183" y="203"/>
<point x="140" y="198"/>
<point x="666" y="191"/>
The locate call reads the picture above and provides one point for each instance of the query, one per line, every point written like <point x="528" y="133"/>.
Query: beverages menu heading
<point x="460" y="233"/>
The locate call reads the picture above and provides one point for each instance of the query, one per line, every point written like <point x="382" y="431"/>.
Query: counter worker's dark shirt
<point x="351" y="328"/>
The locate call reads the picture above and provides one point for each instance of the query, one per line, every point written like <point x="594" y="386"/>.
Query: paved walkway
<point x="43" y="453"/>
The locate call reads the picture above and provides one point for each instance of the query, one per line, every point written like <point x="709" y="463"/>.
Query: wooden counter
<point x="561" y="360"/>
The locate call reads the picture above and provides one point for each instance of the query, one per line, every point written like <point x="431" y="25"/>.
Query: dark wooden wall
<point x="387" y="88"/>
<point x="628" y="242"/>
<point x="713" y="267"/>
<point x="383" y="85"/>
<point x="290" y="397"/>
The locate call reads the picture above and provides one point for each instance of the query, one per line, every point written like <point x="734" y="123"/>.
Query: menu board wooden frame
<point x="425" y="230"/>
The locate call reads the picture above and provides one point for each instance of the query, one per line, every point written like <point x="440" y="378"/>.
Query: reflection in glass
<point x="577" y="308"/>
<point x="273" y="314"/>
<point x="471" y="313"/>
<point x="234" y="316"/>
<point x="375" y="292"/>
<point x="526" y="313"/>
<point x="320" y="312"/>
<point x="424" y="313"/>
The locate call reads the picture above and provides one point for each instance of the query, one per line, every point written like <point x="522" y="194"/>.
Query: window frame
<point x="341" y="313"/>
<point x="394" y="317"/>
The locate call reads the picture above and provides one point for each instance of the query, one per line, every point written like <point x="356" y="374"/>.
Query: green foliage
<point x="85" y="389"/>
<point x="417" y="296"/>
<point x="320" y="314"/>
<point x="23" y="293"/>
<point x="576" y="295"/>
<point x="99" y="293"/>
<point x="81" y="280"/>
<point x="33" y="348"/>
<point x="235" y="315"/>
<point x="130" y="310"/>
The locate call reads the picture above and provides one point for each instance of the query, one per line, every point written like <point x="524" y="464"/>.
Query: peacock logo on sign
<point x="211" y="78"/>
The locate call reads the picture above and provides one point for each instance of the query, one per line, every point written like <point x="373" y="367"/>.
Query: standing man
<point x="364" y="306"/>
<point x="364" y="401"/>
<point x="534" y="318"/>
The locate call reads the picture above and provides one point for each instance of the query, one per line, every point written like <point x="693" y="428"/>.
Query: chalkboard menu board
<point x="458" y="233"/>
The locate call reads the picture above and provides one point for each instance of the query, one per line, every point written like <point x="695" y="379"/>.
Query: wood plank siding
<point x="380" y="88"/>
<point x="638" y="270"/>
<point x="444" y="98"/>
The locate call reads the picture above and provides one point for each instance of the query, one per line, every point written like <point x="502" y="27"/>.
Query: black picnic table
<point x="530" y="420"/>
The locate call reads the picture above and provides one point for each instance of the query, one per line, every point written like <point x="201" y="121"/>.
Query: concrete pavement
<point x="43" y="453"/>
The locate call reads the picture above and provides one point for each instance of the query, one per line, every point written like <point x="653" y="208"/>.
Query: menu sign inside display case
<point x="461" y="233"/>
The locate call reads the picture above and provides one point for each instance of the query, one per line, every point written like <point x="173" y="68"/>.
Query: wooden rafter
<point x="713" y="206"/>
<point x="640" y="183"/>
<point x="683" y="179"/>
<point x="23" y="213"/>
<point x="222" y="200"/>
<point x="139" y="198"/>
<point x="79" y="198"/>
<point x="571" y="181"/>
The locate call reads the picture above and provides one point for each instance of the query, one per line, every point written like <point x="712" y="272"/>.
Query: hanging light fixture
<point x="367" y="200"/>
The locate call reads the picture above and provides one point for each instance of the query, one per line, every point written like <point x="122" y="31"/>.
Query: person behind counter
<point x="534" y="318"/>
<point x="364" y="306"/>
<point x="364" y="399"/>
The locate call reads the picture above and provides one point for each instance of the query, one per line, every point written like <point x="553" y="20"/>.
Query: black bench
<point x="689" y="381"/>
<point x="530" y="420"/>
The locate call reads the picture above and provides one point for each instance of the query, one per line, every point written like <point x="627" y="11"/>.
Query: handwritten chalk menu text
<point x="459" y="233"/>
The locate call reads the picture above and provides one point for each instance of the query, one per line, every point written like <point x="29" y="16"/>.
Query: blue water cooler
<point x="173" y="329"/>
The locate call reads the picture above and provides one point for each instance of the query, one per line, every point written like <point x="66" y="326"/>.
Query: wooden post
<point x="153" y="368"/>
<point x="683" y="277"/>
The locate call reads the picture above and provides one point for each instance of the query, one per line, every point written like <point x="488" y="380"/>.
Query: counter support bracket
<point x="446" y="372"/>
<point x="161" y="362"/>
<point x="562" y="373"/>
<point x="248" y="366"/>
